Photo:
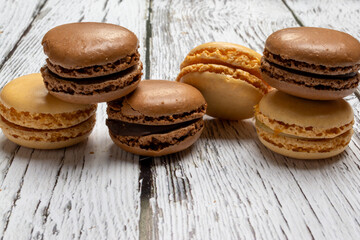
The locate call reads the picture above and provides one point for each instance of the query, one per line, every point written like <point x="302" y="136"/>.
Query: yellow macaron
<point x="33" y="118"/>
<point x="301" y="128"/>
<point x="228" y="75"/>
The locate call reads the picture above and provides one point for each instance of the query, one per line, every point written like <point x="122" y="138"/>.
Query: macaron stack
<point x="313" y="69"/>
<point x="87" y="63"/>
<point x="228" y="75"/>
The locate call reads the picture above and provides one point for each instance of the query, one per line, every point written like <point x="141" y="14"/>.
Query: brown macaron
<point x="160" y="117"/>
<point x="91" y="62"/>
<point x="312" y="63"/>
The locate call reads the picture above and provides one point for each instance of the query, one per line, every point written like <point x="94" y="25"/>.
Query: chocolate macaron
<point x="312" y="63"/>
<point x="160" y="117"/>
<point x="91" y="62"/>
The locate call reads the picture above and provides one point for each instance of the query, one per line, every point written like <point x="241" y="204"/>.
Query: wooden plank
<point x="342" y="17"/>
<point x="89" y="191"/>
<point x="228" y="185"/>
<point x="15" y="22"/>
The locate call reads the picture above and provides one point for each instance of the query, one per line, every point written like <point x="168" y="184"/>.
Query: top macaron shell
<point x="313" y="45"/>
<point x="230" y="54"/>
<point x="159" y="102"/>
<point x="78" y="45"/>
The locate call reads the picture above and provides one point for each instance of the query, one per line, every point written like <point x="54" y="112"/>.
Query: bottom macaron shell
<point x="227" y="98"/>
<point x="303" y="91"/>
<point x="96" y="98"/>
<point x="176" y="141"/>
<point x="47" y="139"/>
<point x="92" y="90"/>
<point x="305" y="149"/>
<point x="47" y="145"/>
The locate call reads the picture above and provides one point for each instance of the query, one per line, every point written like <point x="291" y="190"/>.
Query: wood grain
<point x="229" y="185"/>
<point x="89" y="191"/>
<point x="226" y="186"/>
<point x="15" y="22"/>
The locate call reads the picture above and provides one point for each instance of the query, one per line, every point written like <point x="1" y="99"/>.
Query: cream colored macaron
<point x="33" y="118"/>
<point x="228" y="76"/>
<point x="301" y="128"/>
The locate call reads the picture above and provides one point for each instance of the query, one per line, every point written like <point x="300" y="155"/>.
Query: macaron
<point x="160" y="117"/>
<point x="302" y="128"/>
<point x="91" y="62"/>
<point x="312" y="63"/>
<point x="228" y="76"/>
<point x="33" y="118"/>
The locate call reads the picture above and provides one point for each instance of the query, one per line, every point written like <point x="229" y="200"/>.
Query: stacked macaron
<point x="87" y="63"/>
<point x="228" y="75"/>
<point x="313" y="69"/>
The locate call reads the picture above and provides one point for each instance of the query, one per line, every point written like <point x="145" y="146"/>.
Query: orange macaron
<point x="228" y="75"/>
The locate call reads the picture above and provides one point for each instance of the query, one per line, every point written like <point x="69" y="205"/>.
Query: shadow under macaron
<point x="226" y="129"/>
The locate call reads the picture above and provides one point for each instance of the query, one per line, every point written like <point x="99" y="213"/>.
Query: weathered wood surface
<point x="89" y="191"/>
<point x="228" y="180"/>
<point x="227" y="186"/>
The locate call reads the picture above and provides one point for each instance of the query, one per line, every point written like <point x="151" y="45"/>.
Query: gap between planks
<point x="26" y="31"/>
<point x="146" y="163"/>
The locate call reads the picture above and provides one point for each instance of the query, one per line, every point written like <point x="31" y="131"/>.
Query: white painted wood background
<point x="227" y="186"/>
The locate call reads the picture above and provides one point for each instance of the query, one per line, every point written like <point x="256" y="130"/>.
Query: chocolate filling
<point x="89" y="86"/>
<point x="121" y="128"/>
<point x="100" y="79"/>
<point x="303" y="66"/>
<point x="313" y="75"/>
<point x="96" y="70"/>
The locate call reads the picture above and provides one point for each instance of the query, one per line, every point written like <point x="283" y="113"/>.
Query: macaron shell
<point x="295" y="148"/>
<point x="304" y="91"/>
<point x="47" y="145"/>
<point x="224" y="53"/>
<point x="96" y="98"/>
<point x="159" y="102"/>
<point x="28" y="94"/>
<point x="238" y="98"/>
<point x="46" y="121"/>
<point x="78" y="45"/>
<point x="182" y="145"/>
<point x="318" y="46"/>
<point x="281" y="128"/>
<point x="97" y="70"/>
<point x="47" y="139"/>
<point x="306" y="113"/>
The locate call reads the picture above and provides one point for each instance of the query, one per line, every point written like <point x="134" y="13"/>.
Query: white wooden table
<point x="227" y="186"/>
